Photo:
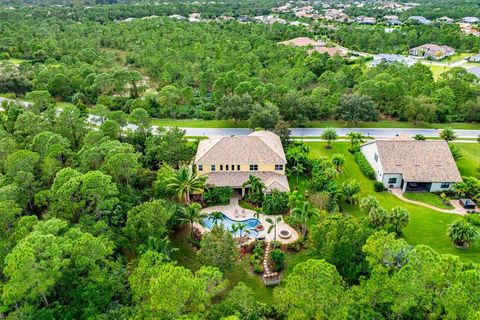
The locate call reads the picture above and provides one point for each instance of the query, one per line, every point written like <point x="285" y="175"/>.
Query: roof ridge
<point x="270" y="146"/>
<point x="211" y="147"/>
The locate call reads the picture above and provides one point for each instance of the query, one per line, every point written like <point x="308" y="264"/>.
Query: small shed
<point x="467" y="203"/>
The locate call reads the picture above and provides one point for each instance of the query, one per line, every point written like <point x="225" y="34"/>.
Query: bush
<point x="218" y="195"/>
<point x="275" y="203"/>
<point x="258" y="268"/>
<point x="379" y="187"/>
<point x="278" y="258"/>
<point x="295" y="246"/>
<point x="473" y="219"/>
<point x="364" y="166"/>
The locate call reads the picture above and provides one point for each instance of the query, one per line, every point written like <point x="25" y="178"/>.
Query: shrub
<point x="258" y="268"/>
<point x="364" y="166"/>
<point x="295" y="246"/>
<point x="218" y="195"/>
<point x="275" y="203"/>
<point x="379" y="187"/>
<point x="473" y="219"/>
<point x="278" y="258"/>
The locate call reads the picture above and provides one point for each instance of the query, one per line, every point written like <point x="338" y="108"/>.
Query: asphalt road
<point x="300" y="132"/>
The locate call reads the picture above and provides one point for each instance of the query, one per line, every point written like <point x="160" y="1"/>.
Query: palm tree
<point x="330" y="135"/>
<point x="298" y="168"/>
<point x="162" y="246"/>
<point x="273" y="226"/>
<point x="356" y="139"/>
<point x="192" y="214"/>
<point x="338" y="160"/>
<point x="302" y="212"/>
<point x="186" y="182"/>
<point x="294" y="198"/>
<point x="254" y="183"/>
<point x="448" y="134"/>
<point x="241" y="229"/>
<point x="462" y="233"/>
<point x="215" y="217"/>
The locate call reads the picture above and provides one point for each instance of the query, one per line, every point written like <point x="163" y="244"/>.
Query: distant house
<point x="392" y="58"/>
<point x="432" y="51"/>
<point x="470" y="20"/>
<point x="303" y="42"/>
<point x="229" y="161"/>
<point x="365" y="20"/>
<point x="475" y="58"/>
<point x="331" y="51"/>
<point x="394" y="22"/>
<point x="336" y="15"/>
<point x="390" y="17"/>
<point x="412" y="165"/>
<point x="177" y="17"/>
<point x="419" y="19"/>
<point x="468" y="28"/>
<point x="475" y="71"/>
<point x="445" y="19"/>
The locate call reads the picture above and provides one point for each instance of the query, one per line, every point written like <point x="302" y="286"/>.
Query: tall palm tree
<point x="273" y="226"/>
<point x="298" y="168"/>
<point x="241" y="229"/>
<point x="356" y="139"/>
<point x="254" y="183"/>
<point x="215" y="217"/>
<point x="294" y="198"/>
<point x="302" y="212"/>
<point x="186" y="182"/>
<point x="192" y="214"/>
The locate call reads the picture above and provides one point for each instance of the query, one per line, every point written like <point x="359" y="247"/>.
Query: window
<point x="200" y="167"/>
<point x="233" y="167"/>
<point x="375" y="157"/>
<point x="238" y="167"/>
<point x="253" y="167"/>
<point x="278" y="167"/>
<point x="445" y="185"/>
<point x="392" y="180"/>
<point x="226" y="167"/>
<point x="221" y="167"/>
<point x="212" y="167"/>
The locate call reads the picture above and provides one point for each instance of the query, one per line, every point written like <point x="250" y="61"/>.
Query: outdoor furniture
<point x="236" y="213"/>
<point x="243" y="213"/>
<point x="467" y="204"/>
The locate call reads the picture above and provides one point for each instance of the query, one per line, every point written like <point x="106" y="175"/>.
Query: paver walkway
<point x="399" y="194"/>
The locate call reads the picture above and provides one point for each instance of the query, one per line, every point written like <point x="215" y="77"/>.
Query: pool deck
<point x="229" y="211"/>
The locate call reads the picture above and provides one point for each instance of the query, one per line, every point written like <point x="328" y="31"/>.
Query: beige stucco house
<point x="229" y="161"/>
<point x="412" y="165"/>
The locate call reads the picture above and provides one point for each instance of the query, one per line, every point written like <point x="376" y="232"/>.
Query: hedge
<point x="364" y="166"/>
<point x="218" y="195"/>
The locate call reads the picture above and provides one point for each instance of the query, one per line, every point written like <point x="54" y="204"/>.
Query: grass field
<point x="428" y="198"/>
<point x="469" y="165"/>
<point x="194" y="123"/>
<point x="438" y="70"/>
<point x="426" y="226"/>
<point x="15" y="61"/>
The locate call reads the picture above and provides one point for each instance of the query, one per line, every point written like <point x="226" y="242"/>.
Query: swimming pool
<point x="227" y="223"/>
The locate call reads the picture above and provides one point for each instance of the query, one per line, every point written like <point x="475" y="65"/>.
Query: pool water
<point x="227" y="223"/>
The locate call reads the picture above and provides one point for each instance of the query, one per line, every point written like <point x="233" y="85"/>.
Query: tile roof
<point x="418" y="161"/>
<point x="259" y="147"/>
<point x="272" y="180"/>
<point x="303" y="42"/>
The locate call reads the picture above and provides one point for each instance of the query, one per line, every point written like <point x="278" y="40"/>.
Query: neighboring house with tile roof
<point x="432" y="51"/>
<point x="412" y="165"/>
<point x="303" y="42"/>
<point x="229" y="161"/>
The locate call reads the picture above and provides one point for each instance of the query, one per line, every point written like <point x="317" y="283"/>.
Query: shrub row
<point x="364" y="166"/>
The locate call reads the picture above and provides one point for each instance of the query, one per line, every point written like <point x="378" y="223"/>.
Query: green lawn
<point x="186" y="257"/>
<point x="428" y="198"/>
<point x="426" y="226"/>
<point x="438" y="70"/>
<point x="16" y="61"/>
<point x="457" y="56"/>
<point x="470" y="163"/>
<point x="195" y="123"/>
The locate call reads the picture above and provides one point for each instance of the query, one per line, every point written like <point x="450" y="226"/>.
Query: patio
<point x="235" y="212"/>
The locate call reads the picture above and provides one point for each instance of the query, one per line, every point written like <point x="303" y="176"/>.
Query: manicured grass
<point x="197" y="123"/>
<point x="458" y="56"/>
<point x="438" y="70"/>
<point x="426" y="226"/>
<point x="469" y="165"/>
<point x="428" y="198"/>
<point x="187" y="257"/>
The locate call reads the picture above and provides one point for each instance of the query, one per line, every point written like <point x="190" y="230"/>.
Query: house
<point x="336" y="15"/>
<point x="394" y="22"/>
<point x="432" y="51"/>
<point x="303" y="42"/>
<point x="177" y="17"/>
<point x="412" y="165"/>
<point x="331" y="51"/>
<point x="475" y="71"/>
<point x="229" y="161"/>
<point x="419" y="19"/>
<point x="365" y="20"/>
<point x="390" y="17"/>
<point x="445" y="19"/>
<point x="470" y="20"/>
<point x="467" y="28"/>
<point x="474" y="58"/>
<point x="392" y="58"/>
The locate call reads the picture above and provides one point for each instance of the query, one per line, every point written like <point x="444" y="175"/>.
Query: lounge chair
<point x="236" y="213"/>
<point x="243" y="213"/>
